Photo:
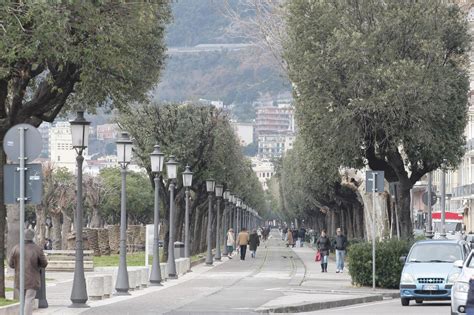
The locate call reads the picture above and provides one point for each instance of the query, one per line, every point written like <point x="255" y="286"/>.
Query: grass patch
<point x="8" y="289"/>
<point x="133" y="259"/>
<point x="5" y="302"/>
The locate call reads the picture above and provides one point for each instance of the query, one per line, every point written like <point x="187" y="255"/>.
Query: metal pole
<point x="79" y="290"/>
<point x="373" y="229"/>
<point x="171" y="265"/>
<point x="122" y="284"/>
<point x="209" y="222"/>
<point x="186" y="225"/>
<point x="429" y="227"/>
<point x="225" y="228"/>
<point x="155" y="275"/>
<point x="235" y="225"/>
<point x="22" y="219"/>
<point x="443" y="204"/>
<point x="218" y="230"/>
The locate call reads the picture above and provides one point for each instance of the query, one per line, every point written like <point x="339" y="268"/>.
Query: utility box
<point x="178" y="250"/>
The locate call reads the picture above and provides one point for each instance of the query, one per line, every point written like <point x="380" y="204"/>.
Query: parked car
<point x="461" y="286"/>
<point x="429" y="273"/>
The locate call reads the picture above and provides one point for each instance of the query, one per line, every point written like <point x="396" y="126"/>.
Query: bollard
<point x="41" y="292"/>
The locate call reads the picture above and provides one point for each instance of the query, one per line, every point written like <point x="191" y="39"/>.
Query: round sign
<point x="433" y="198"/>
<point x="33" y="142"/>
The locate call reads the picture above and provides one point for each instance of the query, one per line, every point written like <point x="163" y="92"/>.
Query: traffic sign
<point x="379" y="181"/>
<point x="424" y="198"/>
<point x="33" y="142"/>
<point x="34" y="183"/>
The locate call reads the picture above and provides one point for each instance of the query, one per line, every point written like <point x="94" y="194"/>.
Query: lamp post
<point x="124" y="154"/>
<point x="156" y="158"/>
<point x="244" y="215"/>
<point x="219" y="191"/>
<point x="239" y="215"/>
<point x="210" y="185"/>
<point x="80" y="139"/>
<point x="225" y="224"/>
<point x="171" y="170"/>
<point x="187" y="182"/>
<point x="443" y="200"/>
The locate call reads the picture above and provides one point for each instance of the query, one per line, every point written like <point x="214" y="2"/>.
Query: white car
<point x="461" y="285"/>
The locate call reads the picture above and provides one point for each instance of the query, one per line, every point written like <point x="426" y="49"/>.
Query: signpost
<point x="374" y="182"/>
<point x="22" y="142"/>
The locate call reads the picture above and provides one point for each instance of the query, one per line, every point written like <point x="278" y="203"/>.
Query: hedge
<point x="387" y="262"/>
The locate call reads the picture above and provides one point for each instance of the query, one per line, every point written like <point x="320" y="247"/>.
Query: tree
<point x="201" y="137"/>
<point x="139" y="196"/>
<point x="382" y="83"/>
<point x="74" y="54"/>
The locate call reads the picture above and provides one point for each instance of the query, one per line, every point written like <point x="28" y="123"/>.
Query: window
<point x="59" y="158"/>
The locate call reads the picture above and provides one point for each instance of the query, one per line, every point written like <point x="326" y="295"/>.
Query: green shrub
<point x="387" y="263"/>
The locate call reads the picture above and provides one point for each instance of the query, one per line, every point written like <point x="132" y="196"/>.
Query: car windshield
<point x="431" y="252"/>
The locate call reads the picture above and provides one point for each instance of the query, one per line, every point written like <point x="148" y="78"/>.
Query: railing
<point x="464" y="190"/>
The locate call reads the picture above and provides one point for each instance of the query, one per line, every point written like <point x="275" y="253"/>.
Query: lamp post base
<point x="121" y="293"/>
<point x="155" y="283"/>
<point x="172" y="277"/>
<point x="218" y="259"/>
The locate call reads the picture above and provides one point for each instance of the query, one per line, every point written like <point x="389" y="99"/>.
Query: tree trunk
<point x="95" y="219"/>
<point x="65" y="230"/>
<point x="13" y="218"/>
<point x="406" y="228"/>
<point x="3" y="221"/>
<point x="40" y="225"/>
<point x="56" y="237"/>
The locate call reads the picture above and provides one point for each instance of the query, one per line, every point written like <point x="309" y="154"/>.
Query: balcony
<point x="463" y="191"/>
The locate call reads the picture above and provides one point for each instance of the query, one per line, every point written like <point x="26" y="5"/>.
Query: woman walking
<point x="323" y="245"/>
<point x="230" y="243"/>
<point x="290" y="238"/>
<point x="254" y="242"/>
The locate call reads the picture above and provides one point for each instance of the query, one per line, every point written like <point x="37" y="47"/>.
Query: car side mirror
<point x="403" y="259"/>
<point x="458" y="263"/>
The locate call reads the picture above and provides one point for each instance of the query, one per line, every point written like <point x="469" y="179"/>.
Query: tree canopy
<point x="382" y="84"/>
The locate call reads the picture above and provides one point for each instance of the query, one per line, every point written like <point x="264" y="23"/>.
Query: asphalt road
<point x="236" y="287"/>
<point x="389" y="307"/>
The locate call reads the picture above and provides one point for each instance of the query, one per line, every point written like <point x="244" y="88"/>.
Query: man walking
<point x="302" y="236"/>
<point x="341" y="244"/>
<point x="243" y="241"/>
<point x="34" y="260"/>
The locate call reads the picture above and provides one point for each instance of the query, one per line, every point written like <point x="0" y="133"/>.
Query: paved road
<point x="388" y="307"/>
<point x="236" y="287"/>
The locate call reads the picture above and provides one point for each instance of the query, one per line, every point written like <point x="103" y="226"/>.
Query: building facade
<point x="264" y="169"/>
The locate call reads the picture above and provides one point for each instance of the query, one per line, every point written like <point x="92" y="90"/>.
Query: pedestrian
<point x="259" y="232"/>
<point x="341" y="245"/>
<point x="34" y="260"/>
<point x="284" y="234"/>
<point x="290" y="238"/>
<point x="323" y="245"/>
<point x="230" y="242"/>
<point x="301" y="235"/>
<point x="254" y="242"/>
<point x="295" y="236"/>
<point x="242" y="242"/>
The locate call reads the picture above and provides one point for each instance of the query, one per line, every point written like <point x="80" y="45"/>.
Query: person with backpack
<point x="324" y="245"/>
<point x="254" y="242"/>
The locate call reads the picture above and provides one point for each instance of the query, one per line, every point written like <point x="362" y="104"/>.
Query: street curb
<point x="198" y="262"/>
<point x="309" y="307"/>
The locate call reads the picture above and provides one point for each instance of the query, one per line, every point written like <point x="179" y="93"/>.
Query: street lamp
<point x="187" y="182"/>
<point x="210" y="185"/>
<point x="156" y="158"/>
<point x="171" y="169"/>
<point x="124" y="154"/>
<point x="219" y="191"/>
<point x="244" y="215"/>
<point x="225" y="221"/>
<point x="80" y="139"/>
<point x="239" y="215"/>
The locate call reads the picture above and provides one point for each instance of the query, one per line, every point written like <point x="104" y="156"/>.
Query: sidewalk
<point x="59" y="286"/>
<point x="316" y="290"/>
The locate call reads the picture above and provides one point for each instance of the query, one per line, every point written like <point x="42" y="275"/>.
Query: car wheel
<point x="419" y="301"/>
<point x="405" y="301"/>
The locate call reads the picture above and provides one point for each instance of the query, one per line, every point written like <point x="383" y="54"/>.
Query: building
<point x="44" y="131"/>
<point x="244" y="132"/>
<point x="61" y="152"/>
<point x="107" y="131"/>
<point x="275" y="130"/>
<point x="264" y="169"/>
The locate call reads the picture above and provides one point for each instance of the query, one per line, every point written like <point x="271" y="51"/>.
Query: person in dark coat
<point x="302" y="235"/>
<point x="254" y="242"/>
<point x="324" y="245"/>
<point x="341" y="245"/>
